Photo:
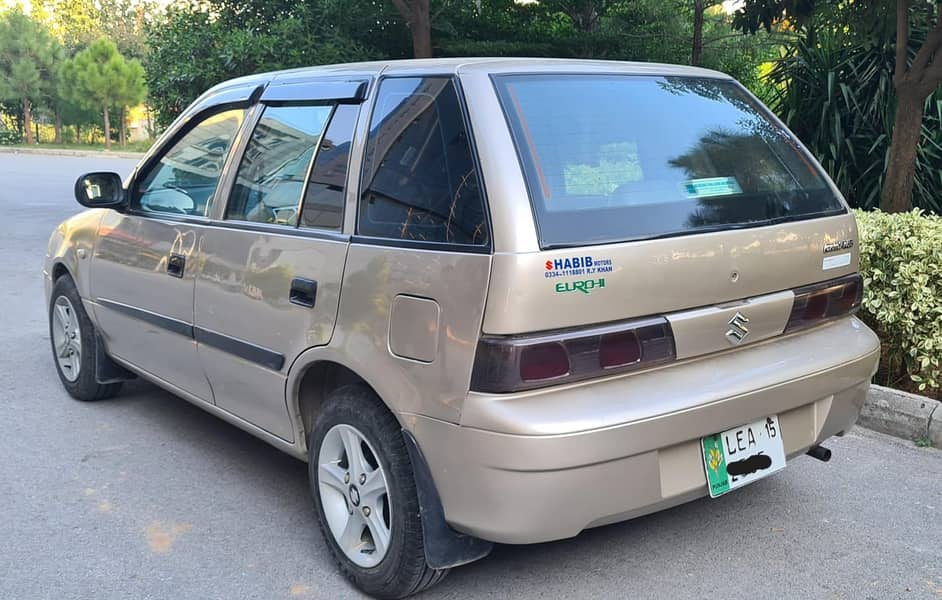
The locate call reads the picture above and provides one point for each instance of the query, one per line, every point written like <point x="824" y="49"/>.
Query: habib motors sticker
<point x="578" y="266"/>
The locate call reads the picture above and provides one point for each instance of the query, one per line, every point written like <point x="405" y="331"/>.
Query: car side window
<point x="420" y="181"/>
<point x="185" y="178"/>
<point x="274" y="168"/>
<point x="324" y="197"/>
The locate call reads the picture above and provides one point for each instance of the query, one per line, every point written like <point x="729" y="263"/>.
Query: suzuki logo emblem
<point x="737" y="331"/>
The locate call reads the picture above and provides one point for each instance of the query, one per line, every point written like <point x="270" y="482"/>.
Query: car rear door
<point x="268" y="286"/>
<point x="143" y="269"/>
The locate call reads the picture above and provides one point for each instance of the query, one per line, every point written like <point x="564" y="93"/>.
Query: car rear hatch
<point x="675" y="217"/>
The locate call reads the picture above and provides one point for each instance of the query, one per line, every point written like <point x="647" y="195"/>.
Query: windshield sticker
<point x="712" y="186"/>
<point x="576" y="266"/>
<point x="580" y="285"/>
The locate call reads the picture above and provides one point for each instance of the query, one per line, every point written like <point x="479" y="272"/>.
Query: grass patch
<point x="139" y="146"/>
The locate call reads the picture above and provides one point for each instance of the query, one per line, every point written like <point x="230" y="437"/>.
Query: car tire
<point x="74" y="343"/>
<point x="353" y="416"/>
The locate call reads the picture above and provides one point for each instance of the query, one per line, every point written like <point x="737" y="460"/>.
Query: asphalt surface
<point x="146" y="496"/>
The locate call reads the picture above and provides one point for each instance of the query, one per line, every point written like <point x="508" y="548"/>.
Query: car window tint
<point x="324" y="197"/>
<point x="419" y="176"/>
<point x="185" y="178"/>
<point x="272" y="172"/>
<point x="654" y="157"/>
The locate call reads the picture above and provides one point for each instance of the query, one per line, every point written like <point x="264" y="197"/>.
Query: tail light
<point x="821" y="302"/>
<point x="514" y="363"/>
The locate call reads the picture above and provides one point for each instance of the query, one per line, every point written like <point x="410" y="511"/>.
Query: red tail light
<point x="514" y="363"/>
<point x="821" y="302"/>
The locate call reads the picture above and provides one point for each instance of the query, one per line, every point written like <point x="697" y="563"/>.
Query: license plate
<point x="741" y="455"/>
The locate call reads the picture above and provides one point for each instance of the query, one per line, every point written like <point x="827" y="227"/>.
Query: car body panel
<point x="141" y="309"/>
<point x="243" y="292"/>
<point x="665" y="275"/>
<point x="373" y="278"/>
<point x="406" y="319"/>
<point x="71" y="246"/>
<point x="519" y="468"/>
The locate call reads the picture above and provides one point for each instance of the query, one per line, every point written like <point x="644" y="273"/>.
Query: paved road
<point x="146" y="496"/>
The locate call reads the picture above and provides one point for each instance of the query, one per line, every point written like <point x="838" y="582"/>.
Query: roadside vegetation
<point x="858" y="82"/>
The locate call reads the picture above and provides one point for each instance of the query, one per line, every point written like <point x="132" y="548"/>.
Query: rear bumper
<point x="544" y="465"/>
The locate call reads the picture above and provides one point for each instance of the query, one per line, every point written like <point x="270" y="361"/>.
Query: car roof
<point x="486" y="65"/>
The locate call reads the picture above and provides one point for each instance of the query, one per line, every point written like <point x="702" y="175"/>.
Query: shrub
<point x="901" y="262"/>
<point x="9" y="137"/>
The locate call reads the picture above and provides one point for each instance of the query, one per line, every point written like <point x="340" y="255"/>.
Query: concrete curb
<point x="66" y="152"/>
<point x="902" y="414"/>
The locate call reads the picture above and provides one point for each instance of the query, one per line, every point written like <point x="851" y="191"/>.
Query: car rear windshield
<point x="612" y="158"/>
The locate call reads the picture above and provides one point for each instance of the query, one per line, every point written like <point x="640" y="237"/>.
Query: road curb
<point x="902" y="414"/>
<point x="66" y="152"/>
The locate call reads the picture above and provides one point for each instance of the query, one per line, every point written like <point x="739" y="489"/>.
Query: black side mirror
<point x="100" y="190"/>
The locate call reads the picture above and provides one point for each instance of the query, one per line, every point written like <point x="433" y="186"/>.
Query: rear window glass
<point x="611" y="158"/>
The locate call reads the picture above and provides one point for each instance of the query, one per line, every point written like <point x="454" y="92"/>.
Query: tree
<point x="419" y="19"/>
<point x="28" y="55"/>
<point x="915" y="80"/>
<point x="103" y="78"/>
<point x="917" y="73"/>
<point x="193" y="47"/>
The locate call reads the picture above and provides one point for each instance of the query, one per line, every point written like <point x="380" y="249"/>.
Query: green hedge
<point x="901" y="261"/>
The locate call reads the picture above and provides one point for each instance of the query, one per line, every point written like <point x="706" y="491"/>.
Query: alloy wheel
<point x="355" y="495"/>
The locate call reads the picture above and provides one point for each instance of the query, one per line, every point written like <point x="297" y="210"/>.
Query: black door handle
<point x="176" y="264"/>
<point x="303" y="292"/>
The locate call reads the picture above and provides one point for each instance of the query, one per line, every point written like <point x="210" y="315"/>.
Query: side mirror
<point x="100" y="190"/>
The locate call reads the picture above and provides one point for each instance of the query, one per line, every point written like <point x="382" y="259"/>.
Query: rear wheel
<point x="75" y="344"/>
<point x="365" y="496"/>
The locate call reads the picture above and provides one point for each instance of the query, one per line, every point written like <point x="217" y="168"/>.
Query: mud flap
<point x="444" y="547"/>
<point x="107" y="370"/>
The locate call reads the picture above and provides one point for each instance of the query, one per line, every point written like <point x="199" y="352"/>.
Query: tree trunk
<point x="107" y="129"/>
<point x="58" y="127"/>
<point x="78" y="133"/>
<point x="697" y="53"/>
<point x="123" y="135"/>
<point x="901" y="167"/>
<point x="421" y="26"/>
<point x="28" y="120"/>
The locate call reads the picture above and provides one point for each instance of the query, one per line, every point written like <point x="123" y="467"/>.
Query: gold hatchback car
<point x="488" y="300"/>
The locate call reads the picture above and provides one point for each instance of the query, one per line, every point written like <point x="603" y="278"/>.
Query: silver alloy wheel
<point x="66" y="338"/>
<point x="354" y="495"/>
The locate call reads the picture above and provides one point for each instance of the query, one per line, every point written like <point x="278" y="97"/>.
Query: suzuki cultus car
<point x="488" y="300"/>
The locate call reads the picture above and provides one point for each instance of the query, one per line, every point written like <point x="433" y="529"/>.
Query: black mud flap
<point x="107" y="370"/>
<point x="444" y="547"/>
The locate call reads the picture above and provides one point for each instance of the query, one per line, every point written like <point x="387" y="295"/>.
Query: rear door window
<point x="611" y="158"/>
<point x="275" y="165"/>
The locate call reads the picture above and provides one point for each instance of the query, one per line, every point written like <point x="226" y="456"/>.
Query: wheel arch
<point x="311" y="385"/>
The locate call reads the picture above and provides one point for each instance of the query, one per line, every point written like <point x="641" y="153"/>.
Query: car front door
<point x="270" y="273"/>
<point x="142" y="273"/>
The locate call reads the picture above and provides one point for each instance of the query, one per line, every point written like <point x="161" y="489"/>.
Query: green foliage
<point x="901" y="261"/>
<point x="78" y="23"/>
<point x="28" y="59"/>
<point x="100" y="77"/>
<point x="9" y="137"/>
<point x="837" y="95"/>
<point x="193" y="49"/>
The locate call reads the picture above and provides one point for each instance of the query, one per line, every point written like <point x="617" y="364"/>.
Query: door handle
<point x="303" y="292"/>
<point x="176" y="264"/>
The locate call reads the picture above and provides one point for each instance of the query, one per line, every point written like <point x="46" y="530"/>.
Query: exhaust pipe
<point x="820" y="452"/>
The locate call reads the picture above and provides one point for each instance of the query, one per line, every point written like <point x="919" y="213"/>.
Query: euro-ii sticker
<point x="576" y="266"/>
<point x="712" y="186"/>
<point x="586" y="286"/>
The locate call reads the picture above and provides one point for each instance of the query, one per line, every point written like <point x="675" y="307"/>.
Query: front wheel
<point x="365" y="496"/>
<point x="75" y="344"/>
